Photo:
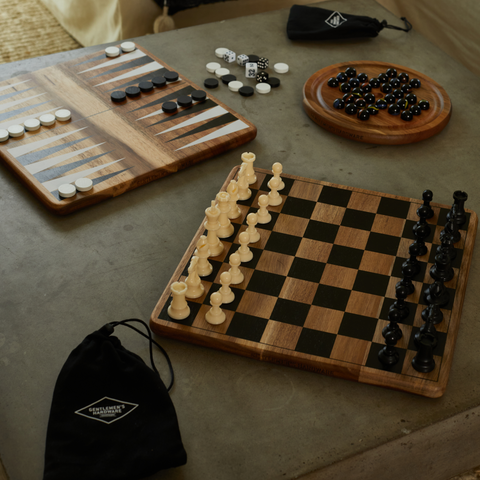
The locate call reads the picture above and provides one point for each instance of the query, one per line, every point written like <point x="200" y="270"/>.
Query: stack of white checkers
<point x="125" y="47"/>
<point x="68" y="190"/>
<point x="32" y="124"/>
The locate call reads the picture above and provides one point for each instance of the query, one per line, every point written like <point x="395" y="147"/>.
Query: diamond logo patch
<point x="107" y="410"/>
<point x="335" y="20"/>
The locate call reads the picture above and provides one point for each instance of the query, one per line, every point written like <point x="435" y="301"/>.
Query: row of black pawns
<point x="436" y="295"/>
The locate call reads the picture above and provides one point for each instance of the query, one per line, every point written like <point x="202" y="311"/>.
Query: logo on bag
<point x="107" y="410"/>
<point x="335" y="20"/>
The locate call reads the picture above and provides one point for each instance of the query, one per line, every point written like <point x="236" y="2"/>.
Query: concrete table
<point x="64" y="277"/>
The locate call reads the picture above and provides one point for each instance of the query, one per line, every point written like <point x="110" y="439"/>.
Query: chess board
<point x="119" y="146"/>
<point x="317" y="292"/>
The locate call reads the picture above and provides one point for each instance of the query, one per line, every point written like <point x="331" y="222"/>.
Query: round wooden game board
<point x="384" y="129"/>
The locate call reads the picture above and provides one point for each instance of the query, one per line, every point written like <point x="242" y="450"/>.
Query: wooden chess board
<point x="317" y="293"/>
<point x="119" y="146"/>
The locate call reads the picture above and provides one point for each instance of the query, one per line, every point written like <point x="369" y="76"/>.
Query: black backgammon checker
<point x="317" y="292"/>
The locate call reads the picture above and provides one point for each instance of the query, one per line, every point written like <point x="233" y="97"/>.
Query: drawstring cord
<point x="408" y="25"/>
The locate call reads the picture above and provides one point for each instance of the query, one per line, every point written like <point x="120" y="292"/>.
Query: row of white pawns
<point x="218" y="226"/>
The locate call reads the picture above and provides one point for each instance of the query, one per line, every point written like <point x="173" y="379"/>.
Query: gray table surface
<point x="63" y="277"/>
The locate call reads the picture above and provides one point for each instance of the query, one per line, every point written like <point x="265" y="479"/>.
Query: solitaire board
<point x="120" y="146"/>
<point x="317" y="292"/>
<point x="382" y="129"/>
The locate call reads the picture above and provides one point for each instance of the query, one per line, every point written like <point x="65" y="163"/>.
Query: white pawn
<point x="244" y="193"/>
<point x="178" y="309"/>
<point x="195" y="288"/>
<point x="215" y="315"/>
<point x="277" y="170"/>
<point x="227" y="295"/>
<point x="244" y="251"/>
<point x="212" y="225"/>
<point x="204" y="267"/>
<point x="232" y="190"/>
<point x="263" y="214"/>
<point x="252" y="220"/>
<point x="226" y="227"/>
<point x="235" y="272"/>
<point x="274" y="198"/>
<point x="249" y="158"/>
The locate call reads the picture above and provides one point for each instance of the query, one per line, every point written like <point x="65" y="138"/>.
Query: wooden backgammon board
<point x="381" y="128"/>
<point x="317" y="293"/>
<point x="118" y="145"/>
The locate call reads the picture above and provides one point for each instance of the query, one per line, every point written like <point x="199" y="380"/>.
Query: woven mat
<point x="28" y="29"/>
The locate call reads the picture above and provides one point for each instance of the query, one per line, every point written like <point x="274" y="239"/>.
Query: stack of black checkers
<point x="395" y="94"/>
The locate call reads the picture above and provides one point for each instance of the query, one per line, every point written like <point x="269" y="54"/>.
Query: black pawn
<point x="401" y="294"/>
<point x="451" y="227"/>
<point x="421" y="230"/>
<point x="427" y="330"/>
<point x="437" y="294"/>
<point x="394" y="316"/>
<point x="427" y="197"/>
<point x="434" y="313"/>
<point x="423" y="361"/>
<point x="412" y="262"/>
<point x="442" y="269"/>
<point x="459" y="214"/>
<point x="388" y="355"/>
<point x="447" y="245"/>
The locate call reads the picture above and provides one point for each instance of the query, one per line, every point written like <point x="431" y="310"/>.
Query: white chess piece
<point x="226" y="228"/>
<point x="215" y="315"/>
<point x="212" y="225"/>
<point x="235" y="272"/>
<point x="232" y="190"/>
<point x="274" y="198"/>
<point x="178" y="309"/>
<point x="227" y="294"/>
<point x="252" y="220"/>
<point x="195" y="288"/>
<point x="263" y="214"/>
<point x="244" y="251"/>
<point x="244" y="193"/>
<point x="249" y="158"/>
<point x="277" y="170"/>
<point x="204" y="267"/>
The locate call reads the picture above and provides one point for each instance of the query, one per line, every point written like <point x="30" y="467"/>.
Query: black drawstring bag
<point x="312" y="23"/>
<point x="111" y="416"/>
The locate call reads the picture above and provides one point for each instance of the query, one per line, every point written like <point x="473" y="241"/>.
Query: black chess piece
<point x="447" y="246"/>
<point x="427" y="197"/>
<point x="451" y="227"/>
<point x="459" y="214"/>
<point x="427" y="330"/>
<point x="434" y="313"/>
<point x="423" y="361"/>
<point x="388" y="355"/>
<point x="437" y="294"/>
<point x="442" y="269"/>
<point x="401" y="293"/>
<point x="422" y="230"/>
<point x="412" y="262"/>
<point x="394" y="316"/>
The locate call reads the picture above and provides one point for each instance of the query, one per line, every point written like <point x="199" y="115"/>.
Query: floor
<point x="28" y="30"/>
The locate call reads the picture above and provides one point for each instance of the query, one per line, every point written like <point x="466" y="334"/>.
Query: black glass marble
<point x="391" y="72"/>
<point x="345" y="87"/>
<point x="406" y="115"/>
<point x="332" y="82"/>
<point x="353" y="82"/>
<point x="411" y="98"/>
<point x="372" y="110"/>
<point x="395" y="82"/>
<point x="394" y="109"/>
<point x="374" y="82"/>
<point x="386" y="88"/>
<point x="349" y="98"/>
<point x="405" y="88"/>
<point x="381" y="103"/>
<point x="403" y="77"/>
<point x="402" y="103"/>
<point x="397" y="93"/>
<point x="351" y="72"/>
<point x="366" y="87"/>
<point x="383" y="77"/>
<point x="341" y="77"/>
<point x="351" y="109"/>
<point x="339" y="103"/>
<point x="362" y="77"/>
<point x="360" y="103"/>
<point x="424" y="104"/>
<point x="415" y="83"/>
<point x="389" y="98"/>
<point x="363" y="114"/>
<point x="369" y="97"/>
<point x="357" y="91"/>
<point x="415" y="109"/>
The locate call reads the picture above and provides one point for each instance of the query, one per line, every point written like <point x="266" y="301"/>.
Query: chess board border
<point x="421" y="384"/>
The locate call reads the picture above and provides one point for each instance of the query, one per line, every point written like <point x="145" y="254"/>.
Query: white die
<point x="230" y="56"/>
<point x="251" y="69"/>
<point x="242" y="60"/>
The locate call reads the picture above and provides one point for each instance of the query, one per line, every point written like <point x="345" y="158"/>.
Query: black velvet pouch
<point x="313" y="23"/>
<point x="111" y="416"/>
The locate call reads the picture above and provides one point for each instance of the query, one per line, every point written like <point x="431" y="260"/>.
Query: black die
<point x="262" y="77"/>
<point x="263" y="63"/>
